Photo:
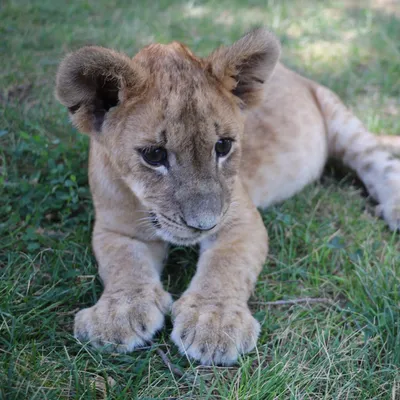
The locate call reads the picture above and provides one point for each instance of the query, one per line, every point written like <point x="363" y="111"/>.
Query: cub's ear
<point x="244" y="67"/>
<point x="92" y="80"/>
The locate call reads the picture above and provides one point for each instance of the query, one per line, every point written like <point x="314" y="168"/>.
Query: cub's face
<point x="179" y="151"/>
<point x="172" y="123"/>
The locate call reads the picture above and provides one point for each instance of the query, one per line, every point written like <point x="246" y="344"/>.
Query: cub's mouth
<point x="177" y="232"/>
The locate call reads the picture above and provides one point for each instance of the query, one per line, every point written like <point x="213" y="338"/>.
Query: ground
<point x="325" y="242"/>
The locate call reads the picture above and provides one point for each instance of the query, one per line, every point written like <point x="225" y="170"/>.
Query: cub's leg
<point x="390" y="143"/>
<point x="371" y="157"/>
<point x="132" y="306"/>
<point x="212" y="321"/>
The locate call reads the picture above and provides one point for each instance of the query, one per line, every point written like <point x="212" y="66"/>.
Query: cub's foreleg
<point x="132" y="306"/>
<point x="371" y="157"/>
<point x="212" y="321"/>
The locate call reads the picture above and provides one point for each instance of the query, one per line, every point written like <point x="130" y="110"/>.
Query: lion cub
<point x="183" y="150"/>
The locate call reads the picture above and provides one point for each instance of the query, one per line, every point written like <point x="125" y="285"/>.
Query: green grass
<point x="325" y="242"/>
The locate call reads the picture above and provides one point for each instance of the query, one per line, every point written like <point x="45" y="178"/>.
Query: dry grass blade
<point x="174" y="370"/>
<point x="307" y="300"/>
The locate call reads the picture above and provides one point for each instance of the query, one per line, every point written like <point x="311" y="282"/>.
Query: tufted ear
<point x="244" y="67"/>
<point x="92" y="80"/>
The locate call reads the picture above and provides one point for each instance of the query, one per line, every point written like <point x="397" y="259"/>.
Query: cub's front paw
<point x="213" y="331"/>
<point x="122" y="320"/>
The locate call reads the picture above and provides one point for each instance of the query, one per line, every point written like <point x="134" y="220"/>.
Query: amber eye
<point x="155" y="156"/>
<point x="223" y="147"/>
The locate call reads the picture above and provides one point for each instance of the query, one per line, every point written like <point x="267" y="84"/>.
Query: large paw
<point x="123" y="320"/>
<point x="212" y="331"/>
<point x="390" y="212"/>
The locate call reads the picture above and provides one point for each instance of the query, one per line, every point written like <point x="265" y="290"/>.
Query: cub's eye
<point x="155" y="156"/>
<point x="223" y="147"/>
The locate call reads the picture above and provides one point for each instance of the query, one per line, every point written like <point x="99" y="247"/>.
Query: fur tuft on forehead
<point x="174" y="58"/>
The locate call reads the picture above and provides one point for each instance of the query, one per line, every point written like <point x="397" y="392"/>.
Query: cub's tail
<point x="371" y="156"/>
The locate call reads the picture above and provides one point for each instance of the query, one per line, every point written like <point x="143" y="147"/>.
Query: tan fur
<point x="284" y="129"/>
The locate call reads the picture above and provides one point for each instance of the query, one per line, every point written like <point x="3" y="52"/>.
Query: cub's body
<point x="183" y="150"/>
<point x="285" y="145"/>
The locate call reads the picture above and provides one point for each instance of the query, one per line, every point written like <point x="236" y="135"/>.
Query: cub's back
<point x="285" y="145"/>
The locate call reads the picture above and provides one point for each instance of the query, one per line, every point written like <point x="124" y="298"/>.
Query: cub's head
<point x="171" y="123"/>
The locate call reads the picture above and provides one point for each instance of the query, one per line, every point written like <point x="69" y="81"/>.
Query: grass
<point x="325" y="242"/>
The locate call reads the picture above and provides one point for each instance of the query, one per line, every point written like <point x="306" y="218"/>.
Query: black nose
<point x="203" y="225"/>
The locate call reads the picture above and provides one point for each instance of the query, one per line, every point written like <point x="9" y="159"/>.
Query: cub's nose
<point x="202" y="211"/>
<point x="204" y="223"/>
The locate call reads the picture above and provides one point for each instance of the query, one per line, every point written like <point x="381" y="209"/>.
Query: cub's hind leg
<point x="390" y="143"/>
<point x="371" y="157"/>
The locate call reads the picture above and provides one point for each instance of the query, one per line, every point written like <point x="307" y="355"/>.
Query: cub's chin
<point x="179" y="240"/>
